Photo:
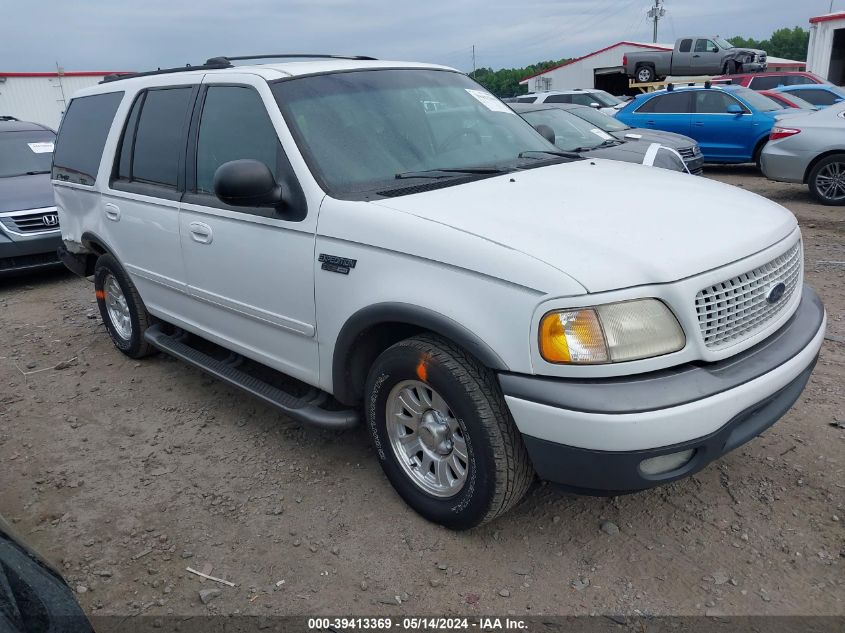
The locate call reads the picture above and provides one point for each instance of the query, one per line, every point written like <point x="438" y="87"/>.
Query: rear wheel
<point x="121" y="308"/>
<point x="827" y="180"/>
<point x="443" y="434"/>
<point x="645" y="74"/>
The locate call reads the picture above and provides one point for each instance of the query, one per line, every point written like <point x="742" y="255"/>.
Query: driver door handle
<point x="201" y="232"/>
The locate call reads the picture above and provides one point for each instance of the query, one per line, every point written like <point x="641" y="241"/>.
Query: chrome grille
<point x="733" y="310"/>
<point x="32" y="222"/>
<point x="689" y="152"/>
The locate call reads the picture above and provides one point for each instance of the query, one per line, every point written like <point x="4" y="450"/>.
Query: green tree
<point x="787" y="43"/>
<point x="505" y="81"/>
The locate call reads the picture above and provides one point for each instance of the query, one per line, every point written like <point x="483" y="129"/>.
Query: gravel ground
<point x="125" y="473"/>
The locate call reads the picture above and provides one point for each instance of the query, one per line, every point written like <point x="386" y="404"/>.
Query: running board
<point x="303" y="409"/>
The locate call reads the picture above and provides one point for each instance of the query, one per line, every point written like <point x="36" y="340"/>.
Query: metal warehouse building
<point x="603" y="69"/>
<point x="42" y="97"/>
<point x="826" y="53"/>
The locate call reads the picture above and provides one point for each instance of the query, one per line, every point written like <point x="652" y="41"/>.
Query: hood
<point x="630" y="151"/>
<point x="25" y="192"/>
<point x="585" y="219"/>
<point x="669" y="139"/>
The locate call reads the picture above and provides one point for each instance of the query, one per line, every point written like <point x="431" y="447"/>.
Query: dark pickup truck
<point x="694" y="56"/>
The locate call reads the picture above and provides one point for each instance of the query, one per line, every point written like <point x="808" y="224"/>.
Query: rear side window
<point x="526" y="99"/>
<point x="558" y="99"/>
<point x="685" y="46"/>
<point x="673" y="103"/>
<point x="155" y="155"/>
<point x="82" y="137"/>
<point x="767" y="83"/>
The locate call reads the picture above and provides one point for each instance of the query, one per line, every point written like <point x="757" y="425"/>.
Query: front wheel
<point x="827" y="180"/>
<point x="443" y="434"/>
<point x="121" y="308"/>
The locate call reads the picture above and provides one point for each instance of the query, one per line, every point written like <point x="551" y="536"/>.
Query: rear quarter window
<point x="82" y="137"/>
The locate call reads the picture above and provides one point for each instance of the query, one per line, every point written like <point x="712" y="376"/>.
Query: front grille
<point x="28" y="261"/>
<point x="688" y="153"/>
<point x="733" y="310"/>
<point x="41" y="220"/>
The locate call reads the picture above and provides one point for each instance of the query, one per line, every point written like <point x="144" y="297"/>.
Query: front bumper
<point x="592" y="435"/>
<point x="20" y="256"/>
<point x="755" y="67"/>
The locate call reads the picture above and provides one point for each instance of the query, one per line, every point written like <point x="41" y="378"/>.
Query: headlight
<point x="610" y="333"/>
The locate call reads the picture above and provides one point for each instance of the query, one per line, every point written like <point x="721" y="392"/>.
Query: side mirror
<point x="595" y="105"/>
<point x="546" y="132"/>
<point x="735" y="109"/>
<point x="247" y="183"/>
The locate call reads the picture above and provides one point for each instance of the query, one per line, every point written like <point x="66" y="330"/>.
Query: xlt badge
<point x="335" y="264"/>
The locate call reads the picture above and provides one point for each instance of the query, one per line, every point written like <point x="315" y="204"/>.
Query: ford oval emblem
<point x="776" y="293"/>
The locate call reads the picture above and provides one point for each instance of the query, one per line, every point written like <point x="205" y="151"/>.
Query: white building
<point x="603" y="69"/>
<point x="42" y="97"/>
<point x="826" y="53"/>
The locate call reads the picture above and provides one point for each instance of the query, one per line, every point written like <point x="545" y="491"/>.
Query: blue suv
<point x="730" y="123"/>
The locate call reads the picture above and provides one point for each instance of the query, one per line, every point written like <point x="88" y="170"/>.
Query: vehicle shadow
<point x="25" y="280"/>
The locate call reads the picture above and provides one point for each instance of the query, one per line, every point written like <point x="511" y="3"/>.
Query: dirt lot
<point x="126" y="473"/>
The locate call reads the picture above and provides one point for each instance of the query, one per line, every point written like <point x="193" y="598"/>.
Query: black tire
<point x="812" y="180"/>
<point x="645" y="74"/>
<point x="732" y="67"/>
<point x="758" y="155"/>
<point x="134" y="345"/>
<point x="499" y="471"/>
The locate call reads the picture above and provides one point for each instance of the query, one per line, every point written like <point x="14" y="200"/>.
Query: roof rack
<point x="216" y="63"/>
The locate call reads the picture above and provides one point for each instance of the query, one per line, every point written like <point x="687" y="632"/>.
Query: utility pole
<point x="655" y="13"/>
<point x="473" y="59"/>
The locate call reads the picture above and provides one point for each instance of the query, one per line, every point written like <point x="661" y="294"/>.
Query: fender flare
<point x="404" y="314"/>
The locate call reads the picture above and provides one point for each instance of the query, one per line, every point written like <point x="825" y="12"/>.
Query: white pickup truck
<point x="488" y="307"/>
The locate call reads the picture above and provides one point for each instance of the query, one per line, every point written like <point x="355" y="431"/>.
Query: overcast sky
<point x="143" y="34"/>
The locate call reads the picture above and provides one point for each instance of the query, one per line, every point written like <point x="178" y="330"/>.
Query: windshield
<point x="571" y="132"/>
<point x="361" y="131"/>
<point x="23" y="153"/>
<point x="599" y="119"/>
<point x="757" y="101"/>
<point x="605" y="98"/>
<point x="722" y="43"/>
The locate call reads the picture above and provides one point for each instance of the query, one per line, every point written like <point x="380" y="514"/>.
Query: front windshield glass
<point x="360" y="130"/>
<point x="600" y="119"/>
<point x="605" y="98"/>
<point x="757" y="101"/>
<point x="571" y="132"/>
<point x="722" y="43"/>
<point x="23" y="153"/>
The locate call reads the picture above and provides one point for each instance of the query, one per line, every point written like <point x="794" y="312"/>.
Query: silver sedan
<point x="810" y="149"/>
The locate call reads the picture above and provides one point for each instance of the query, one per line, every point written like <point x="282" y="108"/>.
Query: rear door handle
<point x="201" y="232"/>
<point x="112" y="212"/>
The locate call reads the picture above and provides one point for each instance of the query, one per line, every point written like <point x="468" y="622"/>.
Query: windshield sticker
<point x="41" y="148"/>
<point x="489" y="101"/>
<point x="601" y="134"/>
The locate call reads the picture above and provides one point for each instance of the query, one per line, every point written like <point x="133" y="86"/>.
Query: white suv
<point x="487" y="306"/>
<point x="598" y="99"/>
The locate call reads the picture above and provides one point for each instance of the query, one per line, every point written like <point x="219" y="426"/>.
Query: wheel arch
<point x="812" y="164"/>
<point x="94" y="247"/>
<point x="371" y="330"/>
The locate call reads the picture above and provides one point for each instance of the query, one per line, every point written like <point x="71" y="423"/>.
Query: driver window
<point x="234" y="125"/>
<point x="705" y="46"/>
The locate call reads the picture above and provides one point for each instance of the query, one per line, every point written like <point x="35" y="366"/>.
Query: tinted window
<point x="818" y="97"/>
<point x="672" y="103"/>
<point x="797" y="80"/>
<point x="685" y="46"/>
<point x="124" y="170"/>
<point x="558" y="99"/>
<point x="705" y="46"/>
<point x="767" y="83"/>
<point x="24" y="153"/>
<point x="713" y="102"/>
<point x="82" y="136"/>
<point x="156" y="154"/>
<point x="526" y="99"/>
<point x="234" y="125"/>
<point x="585" y="99"/>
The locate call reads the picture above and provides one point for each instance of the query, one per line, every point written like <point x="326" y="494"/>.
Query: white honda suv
<point x="491" y="309"/>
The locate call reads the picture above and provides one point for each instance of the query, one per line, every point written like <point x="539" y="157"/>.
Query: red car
<point x="767" y="81"/>
<point x="788" y="100"/>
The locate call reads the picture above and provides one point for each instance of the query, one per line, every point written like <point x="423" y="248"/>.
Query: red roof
<point x="72" y="73"/>
<point x="606" y="48"/>
<point x="827" y="18"/>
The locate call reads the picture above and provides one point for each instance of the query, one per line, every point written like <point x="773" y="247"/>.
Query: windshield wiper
<point x="607" y="143"/>
<point x="547" y="151"/>
<point x="449" y="172"/>
<point x="35" y="173"/>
